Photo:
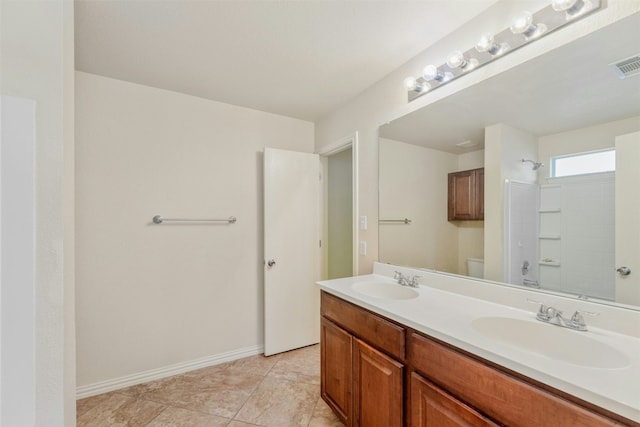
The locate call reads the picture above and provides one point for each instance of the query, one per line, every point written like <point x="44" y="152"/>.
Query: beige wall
<point x="151" y="296"/>
<point x="413" y="185"/>
<point x="596" y="137"/>
<point x="386" y="100"/>
<point x="36" y="51"/>
<point x="505" y="147"/>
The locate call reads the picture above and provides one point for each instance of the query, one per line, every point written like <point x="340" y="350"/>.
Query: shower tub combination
<point x="561" y="235"/>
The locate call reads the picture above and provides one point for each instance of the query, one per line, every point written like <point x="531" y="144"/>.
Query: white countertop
<point x="448" y="316"/>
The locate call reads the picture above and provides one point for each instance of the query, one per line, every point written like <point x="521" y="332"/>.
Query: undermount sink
<point x="384" y="290"/>
<point x="552" y="341"/>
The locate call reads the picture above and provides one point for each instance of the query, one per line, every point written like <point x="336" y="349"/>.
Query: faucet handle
<point x="414" y="281"/>
<point x="397" y="275"/>
<point x="578" y="319"/>
<point x="545" y="312"/>
<point x="543" y="306"/>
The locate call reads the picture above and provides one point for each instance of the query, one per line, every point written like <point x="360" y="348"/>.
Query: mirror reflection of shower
<point x="560" y="234"/>
<point x="535" y="165"/>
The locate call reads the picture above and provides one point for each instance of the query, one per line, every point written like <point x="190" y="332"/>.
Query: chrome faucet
<point x="405" y="280"/>
<point x="554" y="316"/>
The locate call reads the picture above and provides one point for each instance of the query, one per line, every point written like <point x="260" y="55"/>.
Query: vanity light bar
<point x="524" y="29"/>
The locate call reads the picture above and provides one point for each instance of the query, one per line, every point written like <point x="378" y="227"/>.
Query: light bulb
<point x="430" y="72"/>
<point x="485" y="43"/>
<point x="571" y="7"/>
<point x="488" y="44"/>
<point x="524" y="25"/>
<point x="562" y="5"/>
<point x="456" y="59"/>
<point x="410" y="83"/>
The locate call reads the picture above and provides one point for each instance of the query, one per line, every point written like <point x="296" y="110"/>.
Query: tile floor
<point x="280" y="391"/>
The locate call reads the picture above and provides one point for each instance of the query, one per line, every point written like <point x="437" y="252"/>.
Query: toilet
<point x="475" y="267"/>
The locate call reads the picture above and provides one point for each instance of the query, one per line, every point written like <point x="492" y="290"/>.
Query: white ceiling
<point x="568" y="88"/>
<point x="300" y="58"/>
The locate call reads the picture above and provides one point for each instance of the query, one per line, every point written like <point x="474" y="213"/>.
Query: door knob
<point x="271" y="263"/>
<point x="624" y="271"/>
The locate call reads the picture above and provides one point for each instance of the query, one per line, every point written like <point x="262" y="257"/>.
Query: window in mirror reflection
<point x="583" y="163"/>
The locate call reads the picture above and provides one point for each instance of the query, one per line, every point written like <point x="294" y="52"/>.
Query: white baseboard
<point x="167" y="371"/>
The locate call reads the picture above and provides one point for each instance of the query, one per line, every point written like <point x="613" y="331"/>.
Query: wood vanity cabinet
<point x="466" y="195"/>
<point x="363" y="385"/>
<point x="431" y="406"/>
<point x="336" y="373"/>
<point x="376" y="372"/>
<point x="501" y="397"/>
<point x="377" y="388"/>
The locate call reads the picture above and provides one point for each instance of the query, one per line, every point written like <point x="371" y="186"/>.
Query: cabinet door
<point x="377" y="388"/>
<point x="336" y="370"/>
<point x="433" y="407"/>
<point x="480" y="193"/>
<point x="462" y="195"/>
<point x="466" y="195"/>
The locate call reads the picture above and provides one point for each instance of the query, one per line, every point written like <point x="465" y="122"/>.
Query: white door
<point x="291" y="250"/>
<point x="627" y="215"/>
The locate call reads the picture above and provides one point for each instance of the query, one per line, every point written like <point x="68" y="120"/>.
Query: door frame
<point x="348" y="142"/>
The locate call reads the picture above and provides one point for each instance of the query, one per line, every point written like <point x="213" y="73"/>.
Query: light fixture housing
<point x="524" y="30"/>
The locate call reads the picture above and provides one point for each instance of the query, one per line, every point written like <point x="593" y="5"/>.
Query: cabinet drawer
<point x="382" y="334"/>
<point x="433" y="407"/>
<point x="500" y="396"/>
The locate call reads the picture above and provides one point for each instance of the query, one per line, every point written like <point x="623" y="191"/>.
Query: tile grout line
<point x="313" y="411"/>
<point x="247" y="399"/>
<point x="264" y="377"/>
<point x="151" y="420"/>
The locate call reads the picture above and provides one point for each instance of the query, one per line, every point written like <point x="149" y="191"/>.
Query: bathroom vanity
<point x="393" y="355"/>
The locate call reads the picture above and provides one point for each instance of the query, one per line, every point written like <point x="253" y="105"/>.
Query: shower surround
<point x="561" y="235"/>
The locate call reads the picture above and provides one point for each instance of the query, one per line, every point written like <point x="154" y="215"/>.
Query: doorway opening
<point x="339" y="209"/>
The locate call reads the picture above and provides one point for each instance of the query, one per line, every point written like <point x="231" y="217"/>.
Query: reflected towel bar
<point x="159" y="219"/>
<point x="405" y="221"/>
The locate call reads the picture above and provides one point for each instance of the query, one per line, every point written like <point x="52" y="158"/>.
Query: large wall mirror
<point x="548" y="232"/>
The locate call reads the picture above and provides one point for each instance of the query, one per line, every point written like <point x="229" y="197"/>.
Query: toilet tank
<point x="475" y="267"/>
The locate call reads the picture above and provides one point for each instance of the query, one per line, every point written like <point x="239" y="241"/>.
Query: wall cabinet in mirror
<point x="466" y="195"/>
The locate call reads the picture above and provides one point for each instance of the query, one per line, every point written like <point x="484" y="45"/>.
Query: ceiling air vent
<point x="627" y="67"/>
<point x="467" y="144"/>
